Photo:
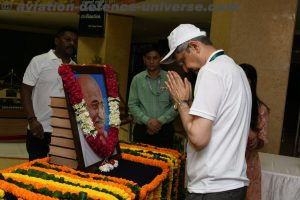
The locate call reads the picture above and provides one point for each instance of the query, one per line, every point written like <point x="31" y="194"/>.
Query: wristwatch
<point x="180" y="103"/>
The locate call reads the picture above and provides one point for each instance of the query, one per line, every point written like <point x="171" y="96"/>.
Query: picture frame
<point x="87" y="76"/>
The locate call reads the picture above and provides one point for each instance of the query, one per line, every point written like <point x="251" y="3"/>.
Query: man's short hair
<point x="152" y="47"/>
<point x="64" y="29"/>
<point x="203" y="39"/>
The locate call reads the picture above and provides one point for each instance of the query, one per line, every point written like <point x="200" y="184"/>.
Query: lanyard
<point x="216" y="55"/>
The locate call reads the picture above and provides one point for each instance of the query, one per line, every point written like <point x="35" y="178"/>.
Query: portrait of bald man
<point x="93" y="98"/>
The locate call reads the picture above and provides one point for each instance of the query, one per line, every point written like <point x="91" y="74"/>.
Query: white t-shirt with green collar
<point x="222" y="95"/>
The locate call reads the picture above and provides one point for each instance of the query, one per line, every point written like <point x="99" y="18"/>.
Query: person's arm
<point x="198" y="121"/>
<point x="263" y="126"/>
<point x="139" y="116"/>
<point x="198" y="129"/>
<point x="168" y="116"/>
<point x="257" y="139"/>
<point x="34" y="125"/>
<point x="29" y="80"/>
<point x="26" y="93"/>
<point x="134" y="104"/>
<point x="260" y="144"/>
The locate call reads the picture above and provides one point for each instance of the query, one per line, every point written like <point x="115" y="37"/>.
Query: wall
<point x="88" y="48"/>
<point x="114" y="48"/>
<point x="118" y="43"/>
<point x="261" y="33"/>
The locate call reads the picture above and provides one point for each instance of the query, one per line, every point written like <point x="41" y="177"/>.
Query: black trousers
<point x="164" y="138"/>
<point x="236" y="194"/>
<point x="36" y="147"/>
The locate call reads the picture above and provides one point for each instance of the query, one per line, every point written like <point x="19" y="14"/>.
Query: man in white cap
<point x="217" y="120"/>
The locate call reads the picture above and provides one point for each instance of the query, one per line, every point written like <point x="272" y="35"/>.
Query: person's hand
<point x="252" y="141"/>
<point x="153" y="126"/>
<point x="150" y="131"/>
<point x="36" y="128"/>
<point x="180" y="90"/>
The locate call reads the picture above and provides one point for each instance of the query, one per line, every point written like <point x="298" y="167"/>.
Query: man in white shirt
<point x="218" y="119"/>
<point x="41" y="81"/>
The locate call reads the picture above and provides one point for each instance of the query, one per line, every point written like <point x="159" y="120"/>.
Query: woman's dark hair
<point x="256" y="102"/>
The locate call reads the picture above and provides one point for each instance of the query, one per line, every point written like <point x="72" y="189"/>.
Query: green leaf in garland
<point x="29" y="187"/>
<point x="51" y="176"/>
<point x="74" y="196"/>
<point x="82" y="195"/>
<point x="66" y="195"/>
<point x="31" y="172"/>
<point x="10" y="180"/>
<point x="56" y="179"/>
<point x="44" y="176"/>
<point x="19" y="171"/>
<point x="61" y="180"/>
<point x="48" y="193"/>
<point x="57" y="194"/>
<point x="42" y="190"/>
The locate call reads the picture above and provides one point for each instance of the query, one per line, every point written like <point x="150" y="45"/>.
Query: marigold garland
<point x="45" y="161"/>
<point x="39" y="183"/>
<point x="91" y="180"/>
<point x="123" y="183"/>
<point x="157" y="180"/>
<point x="175" y="153"/>
<point x="115" y="187"/>
<point x="157" y="193"/>
<point x="21" y="192"/>
<point x="54" y="186"/>
<point x="168" y="155"/>
<point x="168" y="161"/>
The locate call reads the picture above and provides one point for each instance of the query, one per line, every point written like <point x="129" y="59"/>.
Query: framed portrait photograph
<point x="93" y="105"/>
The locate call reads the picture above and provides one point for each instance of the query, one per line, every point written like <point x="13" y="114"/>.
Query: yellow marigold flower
<point x="108" y="187"/>
<point x="1" y="194"/>
<point x="51" y="185"/>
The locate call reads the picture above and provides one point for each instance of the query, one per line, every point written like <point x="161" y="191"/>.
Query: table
<point x="280" y="177"/>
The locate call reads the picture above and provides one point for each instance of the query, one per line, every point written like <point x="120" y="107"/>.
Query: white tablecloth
<point x="280" y="177"/>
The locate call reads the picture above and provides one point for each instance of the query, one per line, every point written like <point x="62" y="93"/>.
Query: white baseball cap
<point x="181" y="34"/>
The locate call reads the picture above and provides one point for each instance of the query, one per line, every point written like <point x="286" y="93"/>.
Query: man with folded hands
<point x="218" y="119"/>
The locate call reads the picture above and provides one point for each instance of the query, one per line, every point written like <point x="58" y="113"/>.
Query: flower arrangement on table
<point x="39" y="179"/>
<point x="171" y="158"/>
<point x="102" y="145"/>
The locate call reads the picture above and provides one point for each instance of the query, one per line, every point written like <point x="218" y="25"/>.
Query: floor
<point x="12" y="154"/>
